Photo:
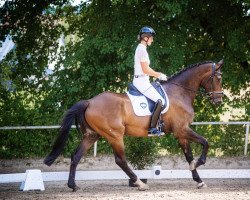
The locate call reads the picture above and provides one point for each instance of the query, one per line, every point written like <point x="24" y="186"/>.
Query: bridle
<point x="211" y="94"/>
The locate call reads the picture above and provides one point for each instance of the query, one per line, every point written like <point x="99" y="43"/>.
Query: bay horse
<point x="110" y="115"/>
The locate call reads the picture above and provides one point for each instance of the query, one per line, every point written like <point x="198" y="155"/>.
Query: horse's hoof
<point x="201" y="185"/>
<point x="74" y="187"/>
<point x="141" y="186"/>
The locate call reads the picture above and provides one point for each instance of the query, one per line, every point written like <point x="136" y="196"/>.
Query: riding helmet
<point x="146" y="31"/>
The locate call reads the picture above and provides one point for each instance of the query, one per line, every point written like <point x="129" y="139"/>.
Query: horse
<point x="111" y="116"/>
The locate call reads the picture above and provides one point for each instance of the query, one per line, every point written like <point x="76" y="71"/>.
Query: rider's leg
<point x="155" y="117"/>
<point x="149" y="91"/>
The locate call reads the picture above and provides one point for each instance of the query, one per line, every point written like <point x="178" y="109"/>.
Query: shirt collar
<point x="142" y="45"/>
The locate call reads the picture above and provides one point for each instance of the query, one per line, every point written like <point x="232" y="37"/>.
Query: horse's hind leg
<point x="185" y="145"/>
<point x="120" y="159"/>
<point x="88" y="140"/>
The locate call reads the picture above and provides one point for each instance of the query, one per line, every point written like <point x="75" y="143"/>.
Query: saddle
<point x="142" y="105"/>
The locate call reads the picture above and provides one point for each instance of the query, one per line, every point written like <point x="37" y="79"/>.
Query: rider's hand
<point x="163" y="77"/>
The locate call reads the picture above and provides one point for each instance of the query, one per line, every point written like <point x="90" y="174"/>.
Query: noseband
<point x="212" y="92"/>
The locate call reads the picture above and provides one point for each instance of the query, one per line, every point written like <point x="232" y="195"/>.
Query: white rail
<point x="95" y="146"/>
<point x="155" y="173"/>
<point x="34" y="179"/>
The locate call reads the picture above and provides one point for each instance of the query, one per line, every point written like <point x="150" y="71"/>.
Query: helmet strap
<point x="145" y="40"/>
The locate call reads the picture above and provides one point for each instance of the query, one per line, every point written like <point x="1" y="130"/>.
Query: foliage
<point x="100" y="38"/>
<point x="141" y="152"/>
<point x="224" y="140"/>
<point x="26" y="143"/>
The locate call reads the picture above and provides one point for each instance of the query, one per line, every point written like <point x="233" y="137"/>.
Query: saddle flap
<point x="142" y="105"/>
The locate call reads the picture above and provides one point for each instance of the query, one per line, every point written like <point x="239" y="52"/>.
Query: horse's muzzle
<point x="217" y="101"/>
<point x="216" y="97"/>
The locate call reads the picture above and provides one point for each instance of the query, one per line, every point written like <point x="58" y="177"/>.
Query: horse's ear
<point x="221" y="62"/>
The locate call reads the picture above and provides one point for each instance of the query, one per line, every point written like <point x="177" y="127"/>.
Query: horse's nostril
<point x="218" y="102"/>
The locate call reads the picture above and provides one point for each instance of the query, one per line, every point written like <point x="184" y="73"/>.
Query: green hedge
<point x="224" y="140"/>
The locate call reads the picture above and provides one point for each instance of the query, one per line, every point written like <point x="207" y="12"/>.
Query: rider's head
<point x="146" y="34"/>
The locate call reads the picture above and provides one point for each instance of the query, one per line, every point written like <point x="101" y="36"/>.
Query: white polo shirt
<point x="142" y="83"/>
<point x="141" y="55"/>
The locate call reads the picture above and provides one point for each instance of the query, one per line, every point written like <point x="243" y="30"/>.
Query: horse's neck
<point x="191" y="79"/>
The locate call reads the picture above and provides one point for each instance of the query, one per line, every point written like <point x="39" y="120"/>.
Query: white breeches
<point x="144" y="86"/>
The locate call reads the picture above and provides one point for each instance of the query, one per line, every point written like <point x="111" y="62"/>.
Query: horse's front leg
<point x="190" y="135"/>
<point x="120" y="159"/>
<point x="185" y="145"/>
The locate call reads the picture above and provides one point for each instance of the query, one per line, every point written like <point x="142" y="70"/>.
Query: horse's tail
<point x="76" y="112"/>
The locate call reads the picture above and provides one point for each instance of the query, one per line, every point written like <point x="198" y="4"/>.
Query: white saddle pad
<point x="140" y="105"/>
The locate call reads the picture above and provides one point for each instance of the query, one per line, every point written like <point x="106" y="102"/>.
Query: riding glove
<point x="163" y="77"/>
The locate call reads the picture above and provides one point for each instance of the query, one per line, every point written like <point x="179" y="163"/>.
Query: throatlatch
<point x="155" y="119"/>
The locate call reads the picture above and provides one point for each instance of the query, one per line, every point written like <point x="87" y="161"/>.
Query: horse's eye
<point x="218" y="74"/>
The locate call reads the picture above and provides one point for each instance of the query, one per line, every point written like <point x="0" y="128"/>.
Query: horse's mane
<point x="186" y="69"/>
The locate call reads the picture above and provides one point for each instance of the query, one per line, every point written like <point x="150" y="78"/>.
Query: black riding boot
<point x="154" y="118"/>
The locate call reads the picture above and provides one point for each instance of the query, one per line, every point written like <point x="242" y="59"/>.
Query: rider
<point x="142" y="71"/>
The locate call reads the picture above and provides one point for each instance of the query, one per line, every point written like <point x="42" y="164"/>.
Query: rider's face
<point x="150" y="40"/>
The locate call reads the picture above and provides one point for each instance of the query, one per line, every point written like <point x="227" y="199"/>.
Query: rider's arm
<point x="148" y="70"/>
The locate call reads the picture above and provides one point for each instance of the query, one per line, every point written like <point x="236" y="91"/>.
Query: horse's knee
<point x="205" y="144"/>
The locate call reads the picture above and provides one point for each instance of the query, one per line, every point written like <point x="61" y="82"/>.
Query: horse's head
<point x="213" y="84"/>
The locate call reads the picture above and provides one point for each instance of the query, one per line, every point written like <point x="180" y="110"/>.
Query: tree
<point x="35" y="27"/>
<point x="102" y="57"/>
<point x="100" y="40"/>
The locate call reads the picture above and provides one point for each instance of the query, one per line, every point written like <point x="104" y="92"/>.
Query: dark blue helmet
<point x="148" y="31"/>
